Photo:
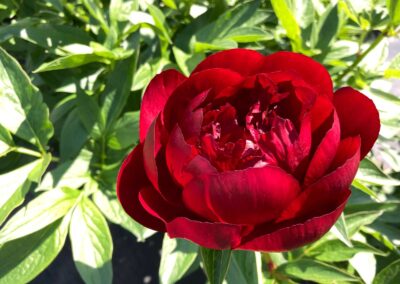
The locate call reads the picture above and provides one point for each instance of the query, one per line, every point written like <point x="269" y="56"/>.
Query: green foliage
<point x="72" y="74"/>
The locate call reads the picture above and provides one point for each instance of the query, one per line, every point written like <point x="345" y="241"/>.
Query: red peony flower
<point x="250" y="152"/>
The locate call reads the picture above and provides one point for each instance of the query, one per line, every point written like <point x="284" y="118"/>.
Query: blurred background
<point x="72" y="74"/>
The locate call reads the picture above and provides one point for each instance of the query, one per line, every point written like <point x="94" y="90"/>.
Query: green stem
<point x="363" y="55"/>
<point x="215" y="264"/>
<point x="32" y="153"/>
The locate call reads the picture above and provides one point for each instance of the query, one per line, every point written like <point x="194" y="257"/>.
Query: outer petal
<point x="250" y="196"/>
<point x="209" y="235"/>
<point x="325" y="153"/>
<point x="131" y="180"/>
<point x="358" y="116"/>
<point x="295" y="236"/>
<point x="310" y="70"/>
<point x="329" y="191"/>
<point x="155" y="97"/>
<point x="240" y="60"/>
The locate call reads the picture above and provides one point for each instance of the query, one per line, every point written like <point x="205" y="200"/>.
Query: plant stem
<point x="32" y="153"/>
<point x="363" y="55"/>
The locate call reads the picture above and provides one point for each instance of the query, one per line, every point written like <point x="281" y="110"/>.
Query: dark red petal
<point x="155" y="97"/>
<point x="358" y="116"/>
<point x="328" y="192"/>
<point x="131" y="180"/>
<point x="297" y="235"/>
<point x="213" y="80"/>
<point x="250" y="196"/>
<point x="325" y="153"/>
<point x="194" y="198"/>
<point x="178" y="155"/>
<point x="151" y="148"/>
<point x="310" y="70"/>
<point x="240" y="60"/>
<point x="210" y="235"/>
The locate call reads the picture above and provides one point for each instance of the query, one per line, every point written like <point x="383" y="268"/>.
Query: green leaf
<point x="70" y="61"/>
<point x="91" y="243"/>
<point x="170" y="3"/>
<point x="288" y="22"/>
<point x="6" y="141"/>
<point x="245" y="268"/>
<point x="112" y="209"/>
<point x="340" y="231"/>
<point x="15" y="184"/>
<point x="69" y="174"/>
<point x="248" y="34"/>
<point x="357" y="220"/>
<point x="394" y="11"/>
<point x="117" y="91"/>
<point x="361" y="186"/>
<point x="215" y="264"/>
<point x="89" y="112"/>
<point x="335" y="250"/>
<point x="315" y="271"/>
<point x="23" y="259"/>
<point x="160" y="22"/>
<point x="215" y="33"/>
<point x="393" y="71"/>
<point x="187" y="62"/>
<point x="389" y="275"/>
<point x="73" y="136"/>
<point x="365" y="265"/>
<point x="176" y="258"/>
<point x="95" y="9"/>
<point x="371" y="173"/>
<point x="126" y="131"/>
<point x="22" y="110"/>
<point x="45" y="209"/>
<point x="325" y="30"/>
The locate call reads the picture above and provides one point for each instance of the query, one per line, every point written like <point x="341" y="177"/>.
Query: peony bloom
<point x="250" y="152"/>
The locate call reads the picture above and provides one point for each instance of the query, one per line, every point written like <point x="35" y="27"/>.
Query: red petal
<point x="358" y="116"/>
<point x="328" y="192"/>
<point x="324" y="153"/>
<point x="310" y="70"/>
<point x="151" y="148"/>
<point x="178" y="154"/>
<point x="213" y="80"/>
<point x="131" y="180"/>
<point x="240" y="60"/>
<point x="296" y="235"/>
<point x="210" y="235"/>
<point x="251" y="196"/>
<point x="155" y="97"/>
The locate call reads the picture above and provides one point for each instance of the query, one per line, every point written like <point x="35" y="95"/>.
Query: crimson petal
<point x="210" y="235"/>
<point x="296" y="235"/>
<point x="310" y="70"/>
<point x="358" y="116"/>
<point x="250" y="196"/>
<point x="155" y="97"/>
<point x="240" y="60"/>
<point x="131" y="180"/>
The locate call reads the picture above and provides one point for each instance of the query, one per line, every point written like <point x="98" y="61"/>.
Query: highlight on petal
<point x="210" y="235"/>
<point x="358" y="116"/>
<point x="250" y="196"/>
<point x="131" y="180"/>
<point x="240" y="60"/>
<point x="310" y="70"/>
<point x="155" y="97"/>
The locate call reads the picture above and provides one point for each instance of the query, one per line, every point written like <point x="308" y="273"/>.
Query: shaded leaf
<point x="215" y="264"/>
